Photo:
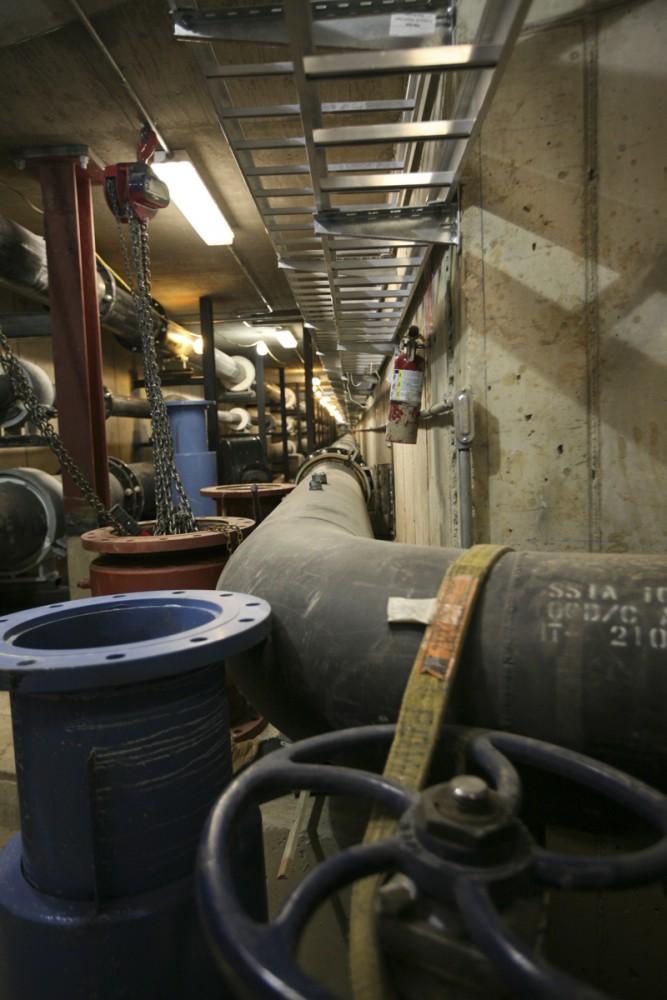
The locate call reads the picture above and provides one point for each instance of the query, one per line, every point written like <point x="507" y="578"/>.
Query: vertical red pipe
<point x="93" y="333"/>
<point x="77" y="351"/>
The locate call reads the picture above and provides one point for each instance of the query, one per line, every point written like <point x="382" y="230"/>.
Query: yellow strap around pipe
<point x="420" y="719"/>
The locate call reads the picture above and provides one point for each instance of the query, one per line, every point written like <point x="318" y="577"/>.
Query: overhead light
<point x="186" y="341"/>
<point x="316" y="381"/>
<point x="261" y="348"/>
<point x="192" y="198"/>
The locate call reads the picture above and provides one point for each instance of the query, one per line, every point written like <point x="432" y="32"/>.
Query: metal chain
<point x="170" y="518"/>
<point x="40" y="416"/>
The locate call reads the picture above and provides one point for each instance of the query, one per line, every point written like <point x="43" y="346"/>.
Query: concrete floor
<point x="323" y="954"/>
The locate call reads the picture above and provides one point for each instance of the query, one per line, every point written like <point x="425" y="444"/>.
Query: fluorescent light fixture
<point x="261" y="348"/>
<point x="286" y="338"/>
<point x="191" y="196"/>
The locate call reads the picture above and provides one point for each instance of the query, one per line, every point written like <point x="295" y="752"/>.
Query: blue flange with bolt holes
<point x="122" y="745"/>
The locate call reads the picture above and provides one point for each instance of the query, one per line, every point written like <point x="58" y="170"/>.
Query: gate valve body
<point x="133" y="188"/>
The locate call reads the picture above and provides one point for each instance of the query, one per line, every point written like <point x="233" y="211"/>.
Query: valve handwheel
<point x="440" y="835"/>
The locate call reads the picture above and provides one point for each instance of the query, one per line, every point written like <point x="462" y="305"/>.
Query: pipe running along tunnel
<point x="565" y="647"/>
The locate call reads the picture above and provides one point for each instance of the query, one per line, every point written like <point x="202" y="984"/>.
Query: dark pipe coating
<point x="569" y="648"/>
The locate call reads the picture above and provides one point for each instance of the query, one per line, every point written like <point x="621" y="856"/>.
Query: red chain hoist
<point x="133" y="187"/>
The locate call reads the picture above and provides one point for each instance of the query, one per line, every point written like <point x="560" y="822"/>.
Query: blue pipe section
<point x="122" y="746"/>
<point x="197" y="466"/>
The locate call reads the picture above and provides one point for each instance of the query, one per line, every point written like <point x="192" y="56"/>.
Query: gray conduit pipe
<point x="565" y="647"/>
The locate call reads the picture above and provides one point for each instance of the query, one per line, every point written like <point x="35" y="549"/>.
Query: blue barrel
<point x="122" y="746"/>
<point x="197" y="466"/>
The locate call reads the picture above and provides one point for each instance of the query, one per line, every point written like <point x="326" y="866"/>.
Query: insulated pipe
<point x="275" y="450"/>
<point x="235" y="373"/>
<point x="32" y="519"/>
<point x="238" y="418"/>
<point x="269" y="419"/>
<point x="273" y="395"/>
<point x="566" y="647"/>
<point x="23" y="263"/>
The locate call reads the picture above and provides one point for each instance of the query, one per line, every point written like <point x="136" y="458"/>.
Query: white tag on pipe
<point x="411" y="610"/>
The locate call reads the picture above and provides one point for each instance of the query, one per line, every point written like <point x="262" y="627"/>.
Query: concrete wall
<point x="554" y="310"/>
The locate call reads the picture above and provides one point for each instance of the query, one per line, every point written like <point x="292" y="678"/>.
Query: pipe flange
<point x="48" y="492"/>
<point x="245" y="491"/>
<point x="213" y="532"/>
<point x="348" y="458"/>
<point x="133" y="493"/>
<point x="77" y="646"/>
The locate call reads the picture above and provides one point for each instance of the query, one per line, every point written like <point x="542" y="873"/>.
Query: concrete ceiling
<point x="58" y="88"/>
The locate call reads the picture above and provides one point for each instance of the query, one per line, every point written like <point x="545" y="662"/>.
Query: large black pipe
<point x="23" y="263"/>
<point x="32" y="521"/>
<point x="566" y="647"/>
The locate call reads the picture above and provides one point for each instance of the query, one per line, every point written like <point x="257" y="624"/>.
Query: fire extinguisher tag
<point x="406" y="386"/>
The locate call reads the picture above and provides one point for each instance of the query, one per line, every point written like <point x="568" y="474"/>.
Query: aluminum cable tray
<point x="354" y="148"/>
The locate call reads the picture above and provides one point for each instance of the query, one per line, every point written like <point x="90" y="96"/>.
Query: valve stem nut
<point x="470" y="793"/>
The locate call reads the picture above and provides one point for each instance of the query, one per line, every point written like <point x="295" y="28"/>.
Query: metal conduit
<point x="565" y="647"/>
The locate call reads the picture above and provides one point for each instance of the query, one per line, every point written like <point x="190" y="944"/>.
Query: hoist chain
<point x="40" y="417"/>
<point x="170" y="518"/>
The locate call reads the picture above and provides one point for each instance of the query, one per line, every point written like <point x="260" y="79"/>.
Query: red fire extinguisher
<point x="405" y="394"/>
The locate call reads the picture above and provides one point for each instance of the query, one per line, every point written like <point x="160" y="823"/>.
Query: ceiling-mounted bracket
<point x="361" y="24"/>
<point x="434" y="223"/>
